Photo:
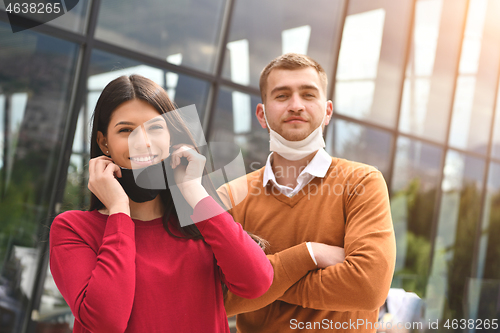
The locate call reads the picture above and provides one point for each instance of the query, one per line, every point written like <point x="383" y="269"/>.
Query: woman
<point x="127" y="265"/>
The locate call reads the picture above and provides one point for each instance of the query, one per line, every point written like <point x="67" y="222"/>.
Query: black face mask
<point x="145" y="184"/>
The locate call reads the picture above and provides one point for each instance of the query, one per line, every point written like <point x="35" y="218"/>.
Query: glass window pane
<point x="489" y="258"/>
<point x="74" y="18"/>
<point x="429" y="77"/>
<point x="360" y="143"/>
<point x="459" y="213"/>
<point x="165" y="28"/>
<point x="415" y="181"/>
<point x="183" y="89"/>
<point x="37" y="74"/>
<point x="262" y="30"/>
<point x="478" y="76"/>
<point x="234" y="121"/>
<point x="372" y="60"/>
<point x="485" y="298"/>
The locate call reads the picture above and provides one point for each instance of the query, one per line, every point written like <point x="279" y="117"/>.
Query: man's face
<point x="295" y="103"/>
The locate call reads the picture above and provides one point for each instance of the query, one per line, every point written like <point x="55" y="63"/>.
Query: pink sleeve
<point x="98" y="287"/>
<point x="247" y="271"/>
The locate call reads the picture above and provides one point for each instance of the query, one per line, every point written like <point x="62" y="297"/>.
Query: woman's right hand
<point x="107" y="189"/>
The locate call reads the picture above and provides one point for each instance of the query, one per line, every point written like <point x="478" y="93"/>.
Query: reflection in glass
<point x="414" y="112"/>
<point x="372" y="60"/>
<point x="184" y="90"/>
<point x="358" y="63"/>
<point x="270" y="29"/>
<point x="414" y="184"/>
<point x="164" y="28"/>
<point x="252" y="139"/>
<point x="489" y="252"/>
<point x="74" y="20"/>
<point x="478" y="75"/>
<point x="37" y="77"/>
<point x="454" y="244"/>
<point x="360" y="143"/>
<point x="487" y="297"/>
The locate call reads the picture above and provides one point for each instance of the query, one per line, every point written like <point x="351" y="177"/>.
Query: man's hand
<point x="327" y="255"/>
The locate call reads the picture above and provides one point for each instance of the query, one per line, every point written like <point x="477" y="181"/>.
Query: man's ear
<point x="102" y="142"/>
<point x="329" y="111"/>
<point x="259" y="112"/>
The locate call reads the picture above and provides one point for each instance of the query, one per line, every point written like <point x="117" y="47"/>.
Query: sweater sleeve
<point x="289" y="266"/>
<point x="246" y="270"/>
<point x="363" y="280"/>
<point x="98" y="287"/>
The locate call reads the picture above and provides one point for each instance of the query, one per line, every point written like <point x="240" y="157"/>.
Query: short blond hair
<point x="291" y="61"/>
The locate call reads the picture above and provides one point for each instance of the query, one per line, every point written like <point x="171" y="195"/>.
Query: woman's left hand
<point x="188" y="178"/>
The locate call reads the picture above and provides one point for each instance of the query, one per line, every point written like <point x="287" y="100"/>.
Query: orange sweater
<point x="349" y="208"/>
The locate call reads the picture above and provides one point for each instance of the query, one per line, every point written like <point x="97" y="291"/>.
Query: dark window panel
<point x="487" y="284"/>
<point x="184" y="90"/>
<point x="37" y="74"/>
<point x="360" y="143"/>
<point x="458" y="220"/>
<point x="417" y="168"/>
<point x="234" y="121"/>
<point x="165" y="28"/>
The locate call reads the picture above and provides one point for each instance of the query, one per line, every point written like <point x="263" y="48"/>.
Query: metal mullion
<point x="439" y="192"/>
<point x="236" y="86"/>
<point x="214" y="91"/>
<point x="394" y="139"/>
<point x="63" y="163"/>
<point x="6" y="143"/>
<point x="336" y="49"/>
<point x="336" y="52"/>
<point x="493" y="160"/>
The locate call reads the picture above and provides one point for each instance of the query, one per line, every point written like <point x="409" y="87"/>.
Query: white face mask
<point x="296" y="150"/>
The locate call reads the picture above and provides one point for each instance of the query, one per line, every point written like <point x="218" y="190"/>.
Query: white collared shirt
<point x="317" y="167"/>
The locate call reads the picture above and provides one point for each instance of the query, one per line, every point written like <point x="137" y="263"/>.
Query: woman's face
<point x="137" y="136"/>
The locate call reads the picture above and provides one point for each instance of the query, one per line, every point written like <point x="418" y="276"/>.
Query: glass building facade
<point x="415" y="86"/>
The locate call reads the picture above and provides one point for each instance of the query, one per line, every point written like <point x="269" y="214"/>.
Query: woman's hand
<point x="107" y="189"/>
<point x="188" y="178"/>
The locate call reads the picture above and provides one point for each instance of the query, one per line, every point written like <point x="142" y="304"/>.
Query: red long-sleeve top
<point x="119" y="274"/>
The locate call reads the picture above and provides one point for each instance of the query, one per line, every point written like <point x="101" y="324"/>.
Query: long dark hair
<point x="126" y="88"/>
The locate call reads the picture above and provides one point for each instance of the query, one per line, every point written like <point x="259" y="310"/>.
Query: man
<point x="309" y="205"/>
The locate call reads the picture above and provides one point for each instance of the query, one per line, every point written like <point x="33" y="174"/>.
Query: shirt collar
<point x="317" y="167"/>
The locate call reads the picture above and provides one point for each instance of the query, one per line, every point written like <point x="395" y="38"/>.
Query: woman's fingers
<point x="113" y="169"/>
<point x="188" y="152"/>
